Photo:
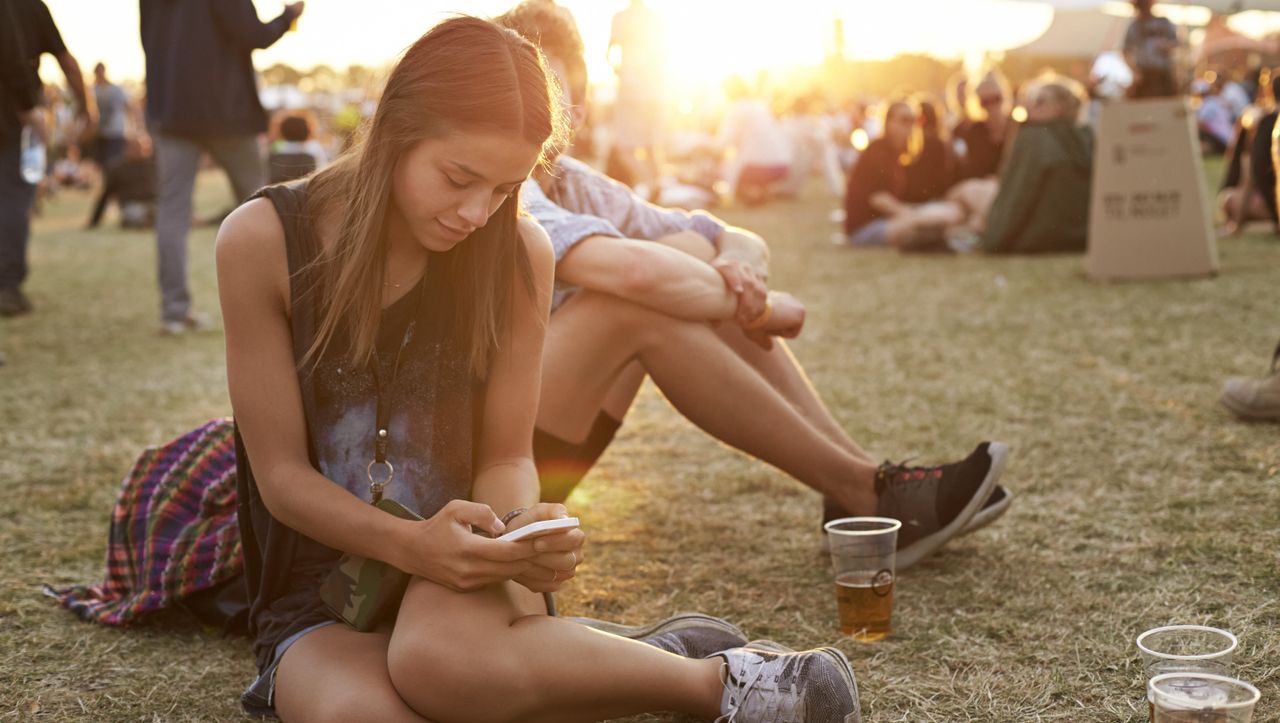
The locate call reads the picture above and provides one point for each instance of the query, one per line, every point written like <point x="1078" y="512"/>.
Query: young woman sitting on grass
<point x="391" y="311"/>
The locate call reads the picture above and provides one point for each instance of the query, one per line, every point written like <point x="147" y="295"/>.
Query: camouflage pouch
<point x="365" y="593"/>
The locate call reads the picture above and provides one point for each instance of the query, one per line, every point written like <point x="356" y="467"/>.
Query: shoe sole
<point x="913" y="553"/>
<point x="678" y="621"/>
<point x="846" y="670"/>
<point x="836" y="656"/>
<point x="989" y="513"/>
<point x="1246" y="413"/>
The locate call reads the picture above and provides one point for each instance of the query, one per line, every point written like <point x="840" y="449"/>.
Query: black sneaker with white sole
<point x="938" y="503"/>
<point x="993" y="509"/>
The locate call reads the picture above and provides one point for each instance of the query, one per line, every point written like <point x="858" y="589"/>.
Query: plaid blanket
<point x="173" y="530"/>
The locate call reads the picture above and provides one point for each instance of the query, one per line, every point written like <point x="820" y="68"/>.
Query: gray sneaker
<point x="765" y="683"/>
<point x="692" y="635"/>
<point x="1255" y="399"/>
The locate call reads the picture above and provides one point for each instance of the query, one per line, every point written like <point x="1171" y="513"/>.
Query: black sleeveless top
<point x="434" y="403"/>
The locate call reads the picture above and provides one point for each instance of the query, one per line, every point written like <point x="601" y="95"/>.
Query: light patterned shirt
<point x="584" y="202"/>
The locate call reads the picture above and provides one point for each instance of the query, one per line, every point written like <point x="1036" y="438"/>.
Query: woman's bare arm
<point x="506" y="478"/>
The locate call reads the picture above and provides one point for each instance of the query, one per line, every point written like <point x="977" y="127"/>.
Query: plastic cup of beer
<point x="862" y="557"/>
<point x="1201" y="698"/>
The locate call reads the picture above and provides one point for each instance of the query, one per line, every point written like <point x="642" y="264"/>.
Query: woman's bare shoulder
<point x="250" y="248"/>
<point x="536" y="242"/>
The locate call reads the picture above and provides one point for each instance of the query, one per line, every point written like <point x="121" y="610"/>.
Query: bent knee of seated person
<point x="690" y="242"/>
<point x="451" y="655"/>
<point x="337" y="674"/>
<point x="939" y="213"/>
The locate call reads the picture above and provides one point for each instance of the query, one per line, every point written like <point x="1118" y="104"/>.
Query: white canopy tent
<point x="1087" y="28"/>
<point x="1217" y="6"/>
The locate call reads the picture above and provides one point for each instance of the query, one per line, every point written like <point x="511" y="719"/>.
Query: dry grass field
<point x="1140" y="501"/>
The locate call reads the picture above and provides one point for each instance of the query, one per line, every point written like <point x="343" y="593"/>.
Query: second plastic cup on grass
<point x="862" y="557"/>
<point x="1201" y="698"/>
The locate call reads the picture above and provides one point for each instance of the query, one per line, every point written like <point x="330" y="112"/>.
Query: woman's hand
<point x="444" y="550"/>
<point x="556" y="555"/>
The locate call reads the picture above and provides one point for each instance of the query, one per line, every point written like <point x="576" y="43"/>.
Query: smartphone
<point x="540" y="528"/>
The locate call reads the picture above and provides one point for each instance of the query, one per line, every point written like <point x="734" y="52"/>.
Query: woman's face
<point x="898" y="125"/>
<point x="1044" y="108"/>
<point x="444" y="188"/>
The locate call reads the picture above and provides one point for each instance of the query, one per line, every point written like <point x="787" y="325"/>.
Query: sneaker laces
<point x="889" y="473"/>
<point x="782" y="706"/>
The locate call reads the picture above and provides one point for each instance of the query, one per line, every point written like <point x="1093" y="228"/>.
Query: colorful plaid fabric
<point x="173" y="529"/>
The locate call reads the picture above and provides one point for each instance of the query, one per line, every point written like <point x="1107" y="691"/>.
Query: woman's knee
<point x="458" y="677"/>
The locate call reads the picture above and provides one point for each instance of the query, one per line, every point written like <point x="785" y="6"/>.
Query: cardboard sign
<point x="1149" y="211"/>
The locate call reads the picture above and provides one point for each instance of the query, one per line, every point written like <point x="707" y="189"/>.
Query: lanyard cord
<point x="382" y="408"/>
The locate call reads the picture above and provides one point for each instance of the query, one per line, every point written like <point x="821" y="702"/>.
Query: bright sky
<point x="705" y="38"/>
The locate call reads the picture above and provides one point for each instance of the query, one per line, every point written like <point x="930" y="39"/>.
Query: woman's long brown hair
<point x="463" y="75"/>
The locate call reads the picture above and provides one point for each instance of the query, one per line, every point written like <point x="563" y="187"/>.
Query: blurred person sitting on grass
<point x="682" y="297"/>
<point x="760" y="155"/>
<point x="981" y="138"/>
<point x="877" y="211"/>
<point x="396" y="303"/>
<point x="1039" y="204"/>
<point x="131" y="183"/>
<point x="294" y="151"/>
<point x="1249" y="188"/>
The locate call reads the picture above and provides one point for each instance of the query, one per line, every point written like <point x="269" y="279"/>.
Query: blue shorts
<point x="873" y="233"/>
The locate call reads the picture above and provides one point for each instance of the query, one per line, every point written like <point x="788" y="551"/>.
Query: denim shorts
<point x="259" y="699"/>
<point x="873" y="233"/>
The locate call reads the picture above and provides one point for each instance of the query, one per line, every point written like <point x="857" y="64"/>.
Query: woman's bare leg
<point x="337" y="674"/>
<point x="595" y="336"/>
<point x="494" y="655"/>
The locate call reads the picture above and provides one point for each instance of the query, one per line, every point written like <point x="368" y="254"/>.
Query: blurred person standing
<point x="637" y="115"/>
<point x="1148" y="49"/>
<point x="27" y="31"/>
<point x="113" y="109"/>
<point x="202" y="95"/>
